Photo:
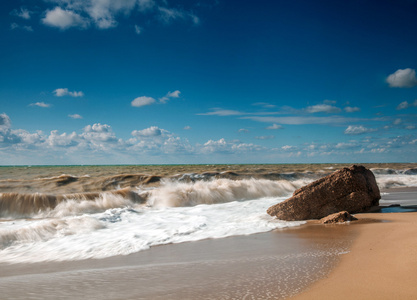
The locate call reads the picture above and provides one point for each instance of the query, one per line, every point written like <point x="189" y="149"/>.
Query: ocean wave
<point x="38" y="205"/>
<point x="389" y="181"/>
<point x="177" y="194"/>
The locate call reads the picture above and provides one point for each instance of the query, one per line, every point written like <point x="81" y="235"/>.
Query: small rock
<point x="339" y="217"/>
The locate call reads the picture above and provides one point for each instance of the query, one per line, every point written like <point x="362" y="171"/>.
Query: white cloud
<point x="98" y="137"/>
<point x="75" y="116"/>
<point x="274" y="127"/>
<point x="62" y="140"/>
<point x="64" y="92"/>
<point x="169" y="95"/>
<point x="265" y="137"/>
<point x="143" y="101"/>
<point x="145" y="5"/>
<point x="138" y="29"/>
<point x="244" y="130"/>
<point x="64" y="19"/>
<point x="15" y="26"/>
<point x="187" y="127"/>
<point x="264" y="104"/>
<point x="288" y="148"/>
<point x="354" y="130"/>
<point x="346" y="145"/>
<point x="22" y="13"/>
<point x="301" y="120"/>
<point x="5" y="122"/>
<point x="222" y="113"/>
<point x="405" y="104"/>
<point x="40" y="104"/>
<point x="167" y="15"/>
<point x="402" y="78"/>
<point x="350" y="109"/>
<point x="148" y="132"/>
<point x="104" y="13"/>
<point x="227" y="147"/>
<point x="397" y="121"/>
<point x="323" y="108"/>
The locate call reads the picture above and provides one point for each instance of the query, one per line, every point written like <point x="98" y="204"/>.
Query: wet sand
<point x="374" y="258"/>
<point x="272" y="265"/>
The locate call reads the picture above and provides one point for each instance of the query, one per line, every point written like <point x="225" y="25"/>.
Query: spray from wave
<point x="178" y="194"/>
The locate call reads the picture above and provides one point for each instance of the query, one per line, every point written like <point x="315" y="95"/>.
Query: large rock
<point x="352" y="189"/>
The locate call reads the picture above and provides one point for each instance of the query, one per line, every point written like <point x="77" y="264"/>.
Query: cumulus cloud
<point x="103" y="14"/>
<point x="143" y="101"/>
<point x="326" y="108"/>
<point x="75" y="116"/>
<point x="65" y="92"/>
<point x="187" y="127"/>
<point x="402" y="78"/>
<point x="148" y="132"/>
<point x="350" y="109"/>
<point x="5" y="122"/>
<point x="227" y="147"/>
<point x="355" y="130"/>
<point x="288" y="148"/>
<point x="405" y="104"/>
<point x="62" y="140"/>
<point x="274" y="127"/>
<point x="64" y="19"/>
<point x="99" y="137"/>
<point x="346" y="145"/>
<point x="40" y="104"/>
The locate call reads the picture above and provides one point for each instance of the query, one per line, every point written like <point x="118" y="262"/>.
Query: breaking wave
<point x="175" y="194"/>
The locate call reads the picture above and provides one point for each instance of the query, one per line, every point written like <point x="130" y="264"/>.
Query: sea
<point x="67" y="213"/>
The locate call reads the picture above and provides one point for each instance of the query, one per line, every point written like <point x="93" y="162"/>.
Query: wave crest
<point x="175" y="194"/>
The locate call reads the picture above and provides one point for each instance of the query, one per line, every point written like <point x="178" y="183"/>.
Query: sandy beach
<point x="373" y="258"/>
<point x="382" y="262"/>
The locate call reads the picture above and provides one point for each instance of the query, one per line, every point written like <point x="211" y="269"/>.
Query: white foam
<point x="397" y="180"/>
<point x="219" y="191"/>
<point x="74" y="207"/>
<point x="122" y="231"/>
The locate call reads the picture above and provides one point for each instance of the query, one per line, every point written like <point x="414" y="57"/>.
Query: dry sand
<point x="382" y="262"/>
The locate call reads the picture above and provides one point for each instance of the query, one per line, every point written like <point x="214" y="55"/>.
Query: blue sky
<point x="209" y="81"/>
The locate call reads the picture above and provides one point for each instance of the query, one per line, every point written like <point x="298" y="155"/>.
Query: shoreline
<point x="308" y="262"/>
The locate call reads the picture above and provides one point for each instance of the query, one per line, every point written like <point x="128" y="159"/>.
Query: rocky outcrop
<point x="340" y="217"/>
<point x="351" y="189"/>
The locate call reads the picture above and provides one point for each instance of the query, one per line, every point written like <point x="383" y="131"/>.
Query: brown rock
<point x="352" y="189"/>
<point x="340" y="217"/>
